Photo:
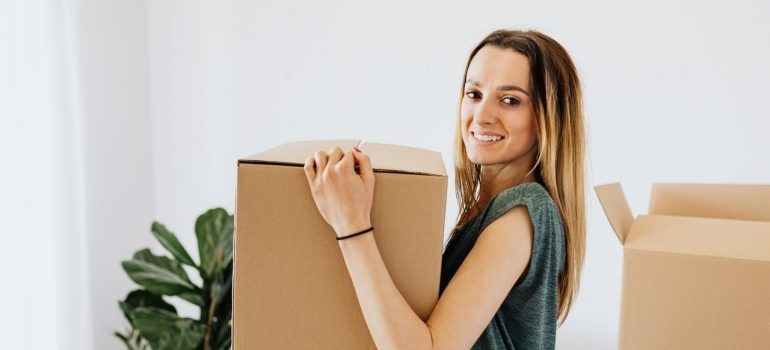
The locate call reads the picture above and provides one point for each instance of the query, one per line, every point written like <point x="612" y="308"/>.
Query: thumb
<point x="365" y="165"/>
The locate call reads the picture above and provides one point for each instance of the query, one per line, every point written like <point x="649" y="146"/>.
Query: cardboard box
<point x="292" y="289"/>
<point x="696" y="269"/>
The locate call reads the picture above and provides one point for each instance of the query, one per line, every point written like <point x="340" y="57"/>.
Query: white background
<point x="165" y="96"/>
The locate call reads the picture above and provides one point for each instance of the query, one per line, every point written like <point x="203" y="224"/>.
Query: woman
<point x="512" y="265"/>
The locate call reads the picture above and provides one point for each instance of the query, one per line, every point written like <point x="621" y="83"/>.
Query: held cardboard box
<point x="696" y="269"/>
<point x="291" y="287"/>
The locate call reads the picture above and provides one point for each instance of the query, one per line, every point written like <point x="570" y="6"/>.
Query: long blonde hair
<point x="557" y="101"/>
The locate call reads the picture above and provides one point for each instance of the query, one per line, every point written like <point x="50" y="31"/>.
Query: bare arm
<point x="472" y="297"/>
<point x="466" y="307"/>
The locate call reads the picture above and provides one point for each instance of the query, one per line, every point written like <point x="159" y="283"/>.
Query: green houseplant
<point x="154" y="323"/>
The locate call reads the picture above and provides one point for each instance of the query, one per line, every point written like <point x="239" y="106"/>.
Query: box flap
<point x="295" y="153"/>
<point x="385" y="157"/>
<point x="724" y="238"/>
<point x="737" y="202"/>
<point x="616" y="208"/>
<point x="404" y="158"/>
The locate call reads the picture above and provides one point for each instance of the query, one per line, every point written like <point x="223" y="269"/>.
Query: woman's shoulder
<point x="531" y="194"/>
<point x="543" y="211"/>
<point x="549" y="235"/>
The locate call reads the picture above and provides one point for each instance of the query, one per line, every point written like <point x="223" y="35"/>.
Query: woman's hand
<point x="343" y="197"/>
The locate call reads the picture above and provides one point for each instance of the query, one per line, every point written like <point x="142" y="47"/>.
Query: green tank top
<point x="527" y="317"/>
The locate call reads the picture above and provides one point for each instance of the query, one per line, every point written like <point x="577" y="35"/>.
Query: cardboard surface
<point x="616" y="207"/>
<point x="739" y="202"/>
<point x="291" y="288"/>
<point x="384" y="157"/>
<point x="696" y="270"/>
<point x="735" y="239"/>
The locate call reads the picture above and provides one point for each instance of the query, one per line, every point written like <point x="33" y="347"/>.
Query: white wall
<point x="43" y="263"/>
<point x="176" y="91"/>
<point x="117" y="141"/>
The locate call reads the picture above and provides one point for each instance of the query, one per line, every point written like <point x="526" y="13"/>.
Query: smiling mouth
<point x="486" y="141"/>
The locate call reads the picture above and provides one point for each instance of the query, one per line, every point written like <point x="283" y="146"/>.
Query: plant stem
<point x="209" y="323"/>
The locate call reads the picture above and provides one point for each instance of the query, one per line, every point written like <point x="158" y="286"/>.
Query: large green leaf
<point x="223" y="286"/>
<point x="140" y="297"/>
<point x="162" y="261"/>
<point x="158" y="274"/>
<point x="214" y="230"/>
<point x="193" y="297"/>
<point x="171" y="243"/>
<point x="164" y="330"/>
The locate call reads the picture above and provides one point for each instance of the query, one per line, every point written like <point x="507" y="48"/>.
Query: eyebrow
<point x="501" y="88"/>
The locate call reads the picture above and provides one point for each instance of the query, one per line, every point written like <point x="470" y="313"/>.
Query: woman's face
<point x="497" y="102"/>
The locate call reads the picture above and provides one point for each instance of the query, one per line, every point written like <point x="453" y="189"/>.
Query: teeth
<point x="487" y="137"/>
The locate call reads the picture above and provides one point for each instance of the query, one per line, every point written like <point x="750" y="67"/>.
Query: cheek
<point x="465" y="119"/>
<point x="466" y="110"/>
<point x="531" y="133"/>
<point x="523" y="129"/>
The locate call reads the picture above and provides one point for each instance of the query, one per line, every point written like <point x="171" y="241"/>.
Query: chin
<point x="475" y="159"/>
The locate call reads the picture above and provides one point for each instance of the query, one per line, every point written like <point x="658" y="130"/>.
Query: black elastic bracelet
<point x="356" y="234"/>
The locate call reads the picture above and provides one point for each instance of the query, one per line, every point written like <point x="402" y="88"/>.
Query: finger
<point x="310" y="168"/>
<point x="320" y="160"/>
<point x="365" y="165"/>
<point x="335" y="154"/>
<point x="347" y="161"/>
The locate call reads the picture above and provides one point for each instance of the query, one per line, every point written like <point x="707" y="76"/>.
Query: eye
<point x="514" y="101"/>
<point x="470" y="92"/>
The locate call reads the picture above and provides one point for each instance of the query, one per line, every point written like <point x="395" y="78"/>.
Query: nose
<point x="484" y="112"/>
